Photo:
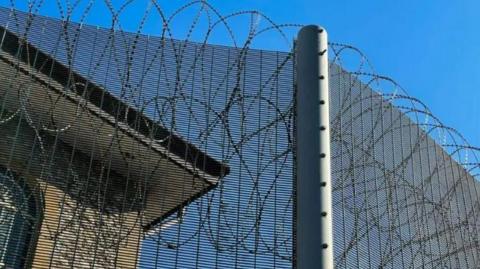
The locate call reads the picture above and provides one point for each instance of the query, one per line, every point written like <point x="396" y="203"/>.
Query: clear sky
<point x="430" y="47"/>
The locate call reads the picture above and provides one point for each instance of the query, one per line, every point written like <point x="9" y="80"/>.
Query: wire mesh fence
<point x="120" y="149"/>
<point x="144" y="150"/>
<point x="405" y="191"/>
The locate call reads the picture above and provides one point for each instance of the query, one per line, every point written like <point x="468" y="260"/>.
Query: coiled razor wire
<point x="405" y="189"/>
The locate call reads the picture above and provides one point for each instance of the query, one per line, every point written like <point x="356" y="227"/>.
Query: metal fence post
<point x="314" y="242"/>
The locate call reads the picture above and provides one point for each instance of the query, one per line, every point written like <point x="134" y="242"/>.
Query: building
<point x="83" y="174"/>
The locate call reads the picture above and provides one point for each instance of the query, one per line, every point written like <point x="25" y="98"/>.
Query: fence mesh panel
<point x="120" y="149"/>
<point x="145" y="151"/>
<point x="399" y="199"/>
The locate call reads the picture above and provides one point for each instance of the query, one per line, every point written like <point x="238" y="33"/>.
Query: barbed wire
<point x="234" y="103"/>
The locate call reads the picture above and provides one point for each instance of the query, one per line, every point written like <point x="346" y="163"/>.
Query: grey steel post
<point x="314" y="234"/>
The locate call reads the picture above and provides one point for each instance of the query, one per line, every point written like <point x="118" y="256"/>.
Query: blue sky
<point x="430" y="47"/>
